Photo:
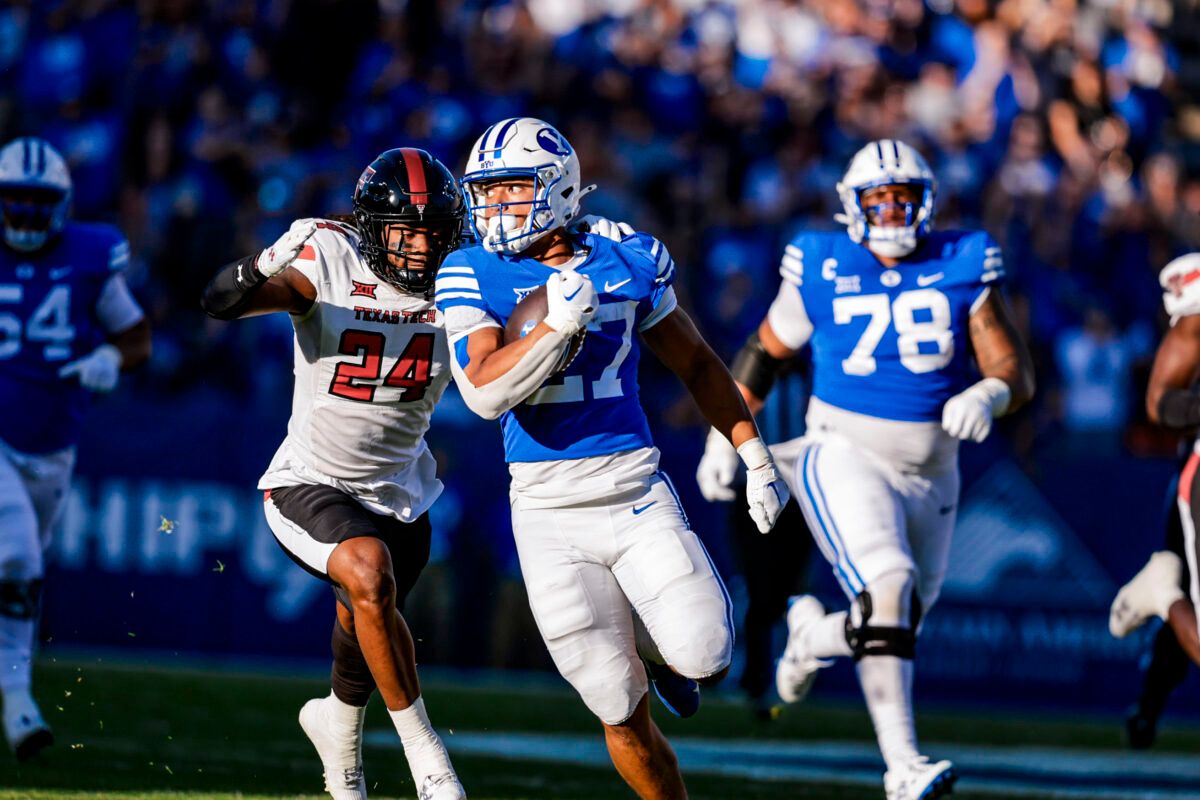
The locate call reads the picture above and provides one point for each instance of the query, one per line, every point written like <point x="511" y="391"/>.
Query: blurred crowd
<point x="1068" y="129"/>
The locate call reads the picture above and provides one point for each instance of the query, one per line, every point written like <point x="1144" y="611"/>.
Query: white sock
<point x="346" y="721"/>
<point x="887" y="686"/>
<point x="422" y="746"/>
<point x="826" y="638"/>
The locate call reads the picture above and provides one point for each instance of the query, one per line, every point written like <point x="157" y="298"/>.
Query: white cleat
<point x="442" y="787"/>
<point x="1149" y="594"/>
<point x="341" y="756"/>
<point x="797" y="669"/>
<point x="920" y="779"/>
<point x="27" y="733"/>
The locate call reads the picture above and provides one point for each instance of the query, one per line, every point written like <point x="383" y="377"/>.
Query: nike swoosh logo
<point x="925" y="280"/>
<point x="639" y="509"/>
<point x="944" y="510"/>
<point x="612" y="287"/>
<point x="571" y="296"/>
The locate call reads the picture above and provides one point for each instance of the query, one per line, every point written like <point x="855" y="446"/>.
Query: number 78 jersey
<point x="887" y="342"/>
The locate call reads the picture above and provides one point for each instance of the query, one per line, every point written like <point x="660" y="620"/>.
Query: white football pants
<point x="868" y="518"/>
<point x="33" y="489"/>
<point x="588" y="567"/>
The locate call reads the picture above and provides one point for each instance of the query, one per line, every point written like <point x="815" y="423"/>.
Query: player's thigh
<point x="667" y="574"/>
<point x="581" y="612"/>
<point x="48" y="479"/>
<point x="311" y="521"/>
<point x="855" y="513"/>
<point x="20" y="545"/>
<point x="933" y="509"/>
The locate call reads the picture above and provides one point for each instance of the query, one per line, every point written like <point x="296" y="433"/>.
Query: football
<point x="529" y="312"/>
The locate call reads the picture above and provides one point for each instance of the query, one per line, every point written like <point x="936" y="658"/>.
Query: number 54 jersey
<point x="371" y="363"/>
<point x="890" y="343"/>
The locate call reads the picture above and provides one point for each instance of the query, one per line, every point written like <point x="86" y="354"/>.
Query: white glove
<point x="766" y="493"/>
<point x="98" y="370"/>
<point x="276" y="258"/>
<point x="572" y="301"/>
<point x="969" y="414"/>
<point x="603" y="226"/>
<point x="717" y="469"/>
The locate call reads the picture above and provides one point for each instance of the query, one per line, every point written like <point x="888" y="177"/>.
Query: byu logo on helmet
<point x="35" y="192"/>
<point x="887" y="162"/>
<point x="522" y="149"/>
<point x="553" y="142"/>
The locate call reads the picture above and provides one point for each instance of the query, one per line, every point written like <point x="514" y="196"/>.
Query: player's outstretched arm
<point x="679" y="346"/>
<point x="262" y="283"/>
<point x="134" y="345"/>
<point x="1170" y="400"/>
<point x="493" y="377"/>
<point x="1007" y="370"/>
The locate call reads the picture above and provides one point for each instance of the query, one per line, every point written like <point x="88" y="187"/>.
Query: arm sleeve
<point x="510" y="389"/>
<point x="230" y="290"/>
<point x="116" y="309"/>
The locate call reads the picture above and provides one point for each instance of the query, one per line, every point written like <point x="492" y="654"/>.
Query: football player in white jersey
<point x="893" y="310"/>
<point x="1172" y="400"/>
<point x="618" y="583"/>
<point x="347" y="492"/>
<point x="68" y="327"/>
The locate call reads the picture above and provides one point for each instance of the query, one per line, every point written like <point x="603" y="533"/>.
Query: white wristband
<point x="754" y="453"/>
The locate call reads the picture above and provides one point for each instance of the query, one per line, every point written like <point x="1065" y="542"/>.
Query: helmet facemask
<point x="881" y="231"/>
<point x="385" y="248"/>
<point x="887" y="162"/>
<point x="32" y="214"/>
<point x="499" y="225"/>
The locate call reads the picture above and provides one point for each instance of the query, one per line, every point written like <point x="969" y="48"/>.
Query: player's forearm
<point x="539" y="356"/>
<point x="1017" y="375"/>
<point x="134" y="344"/>
<point x="755" y="368"/>
<point x="230" y="293"/>
<point x="1177" y="409"/>
<point x="487" y="366"/>
<point x="722" y="402"/>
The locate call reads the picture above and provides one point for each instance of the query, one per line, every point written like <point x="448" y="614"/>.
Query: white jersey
<point x="371" y="363"/>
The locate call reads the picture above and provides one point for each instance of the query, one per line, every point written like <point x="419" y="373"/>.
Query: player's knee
<point x="611" y="695"/>
<point x="884" y="618"/>
<point x="20" y="599"/>
<point x="704" y="655"/>
<point x="365" y="572"/>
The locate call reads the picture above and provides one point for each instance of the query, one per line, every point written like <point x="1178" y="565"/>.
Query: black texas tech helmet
<point x="411" y="187"/>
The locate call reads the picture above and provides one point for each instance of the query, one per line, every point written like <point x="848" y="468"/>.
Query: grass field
<point x="136" y="732"/>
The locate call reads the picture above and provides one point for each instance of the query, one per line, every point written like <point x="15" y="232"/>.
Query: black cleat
<point x="1140" y="730"/>
<point x="34" y="743"/>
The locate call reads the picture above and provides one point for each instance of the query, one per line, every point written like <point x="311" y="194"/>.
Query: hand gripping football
<point x="529" y="312"/>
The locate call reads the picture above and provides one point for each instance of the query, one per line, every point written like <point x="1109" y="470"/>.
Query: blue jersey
<point x="48" y="318"/>
<point x="592" y="408"/>
<point x="891" y="342"/>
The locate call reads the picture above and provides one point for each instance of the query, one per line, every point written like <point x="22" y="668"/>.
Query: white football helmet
<point x="883" y="163"/>
<point x="522" y="147"/>
<point x="35" y="192"/>
<point x="1180" y="281"/>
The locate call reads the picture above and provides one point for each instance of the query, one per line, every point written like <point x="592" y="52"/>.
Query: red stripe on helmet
<point x="417" y="190"/>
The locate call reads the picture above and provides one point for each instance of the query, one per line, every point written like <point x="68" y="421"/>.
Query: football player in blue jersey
<point x="68" y="326"/>
<point x="893" y="311"/>
<point x="617" y="581"/>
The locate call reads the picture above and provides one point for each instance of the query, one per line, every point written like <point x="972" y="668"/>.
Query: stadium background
<point x="1070" y="131"/>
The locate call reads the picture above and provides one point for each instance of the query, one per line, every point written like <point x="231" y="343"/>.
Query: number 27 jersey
<point x="890" y="342"/>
